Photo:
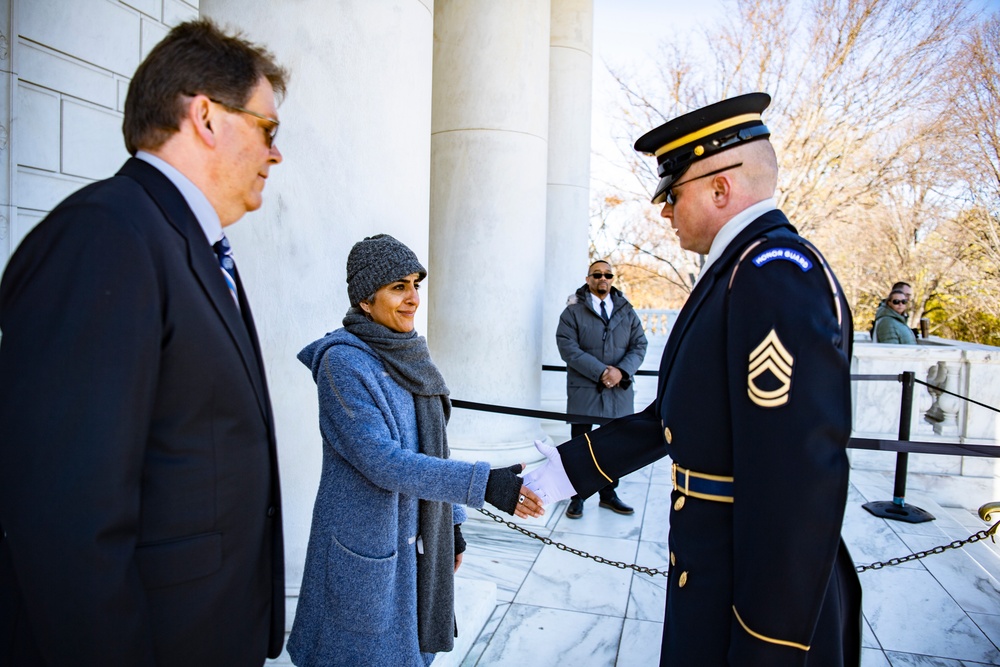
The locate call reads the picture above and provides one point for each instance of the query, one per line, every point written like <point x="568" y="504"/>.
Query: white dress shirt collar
<point x="731" y="230"/>
<point x="195" y="198"/>
<point x="596" y="301"/>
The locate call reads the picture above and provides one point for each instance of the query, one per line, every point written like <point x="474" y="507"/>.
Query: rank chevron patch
<point x="771" y="356"/>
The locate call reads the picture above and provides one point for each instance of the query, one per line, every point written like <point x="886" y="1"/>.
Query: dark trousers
<point x="608" y="492"/>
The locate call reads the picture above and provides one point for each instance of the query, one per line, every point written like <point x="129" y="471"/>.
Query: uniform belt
<point x="702" y="485"/>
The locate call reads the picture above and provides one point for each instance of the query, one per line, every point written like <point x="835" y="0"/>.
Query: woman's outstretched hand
<point x="528" y="503"/>
<point x="506" y="491"/>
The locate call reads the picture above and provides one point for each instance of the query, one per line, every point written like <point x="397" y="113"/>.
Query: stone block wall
<point x="65" y="67"/>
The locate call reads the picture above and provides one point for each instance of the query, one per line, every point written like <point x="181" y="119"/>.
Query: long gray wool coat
<point x="358" y="602"/>
<point x="587" y="350"/>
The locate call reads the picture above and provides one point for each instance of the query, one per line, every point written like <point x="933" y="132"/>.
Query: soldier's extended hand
<point x="549" y="480"/>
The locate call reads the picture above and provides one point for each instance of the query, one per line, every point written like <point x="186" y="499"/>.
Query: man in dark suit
<point x="754" y="409"/>
<point x="139" y="495"/>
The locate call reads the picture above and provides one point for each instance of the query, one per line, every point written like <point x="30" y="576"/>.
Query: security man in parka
<point x="754" y="409"/>
<point x="601" y="340"/>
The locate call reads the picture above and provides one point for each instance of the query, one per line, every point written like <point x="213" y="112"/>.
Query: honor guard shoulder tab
<point x="799" y="252"/>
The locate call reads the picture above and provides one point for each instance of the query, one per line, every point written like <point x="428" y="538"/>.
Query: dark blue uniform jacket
<point x="754" y="385"/>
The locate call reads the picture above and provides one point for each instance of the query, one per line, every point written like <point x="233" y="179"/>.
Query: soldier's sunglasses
<point x="671" y="198"/>
<point x="900" y="302"/>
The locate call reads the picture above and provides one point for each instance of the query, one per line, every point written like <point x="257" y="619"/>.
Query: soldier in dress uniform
<point x="754" y="409"/>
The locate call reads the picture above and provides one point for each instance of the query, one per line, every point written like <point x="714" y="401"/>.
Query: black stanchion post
<point x="897" y="509"/>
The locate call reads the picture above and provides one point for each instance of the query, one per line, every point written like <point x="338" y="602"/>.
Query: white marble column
<point x="568" y="204"/>
<point x="488" y="193"/>
<point x="355" y="135"/>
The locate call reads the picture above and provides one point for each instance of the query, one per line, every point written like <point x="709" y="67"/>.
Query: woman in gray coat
<point x="378" y="587"/>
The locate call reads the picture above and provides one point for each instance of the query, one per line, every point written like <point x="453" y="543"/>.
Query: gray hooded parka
<point x="588" y="346"/>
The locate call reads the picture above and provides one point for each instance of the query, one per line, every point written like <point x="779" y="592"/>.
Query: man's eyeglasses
<point x="270" y="131"/>
<point x="671" y="198"/>
<point x="597" y="275"/>
<point x="900" y="302"/>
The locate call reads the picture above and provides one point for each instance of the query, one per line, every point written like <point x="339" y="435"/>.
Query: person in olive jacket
<point x="601" y="340"/>
<point x="890" y="321"/>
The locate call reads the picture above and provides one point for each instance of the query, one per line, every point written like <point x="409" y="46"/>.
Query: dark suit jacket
<point x="754" y="385"/>
<point x="139" y="488"/>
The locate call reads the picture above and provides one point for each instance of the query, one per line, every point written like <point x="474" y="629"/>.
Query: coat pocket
<point x="361" y="590"/>
<point x="175" y="562"/>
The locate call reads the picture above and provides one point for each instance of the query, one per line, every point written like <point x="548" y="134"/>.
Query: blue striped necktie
<point x="604" y="313"/>
<point x="224" y="252"/>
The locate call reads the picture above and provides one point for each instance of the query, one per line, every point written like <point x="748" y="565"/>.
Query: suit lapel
<point x="205" y="266"/>
<point x="706" y="286"/>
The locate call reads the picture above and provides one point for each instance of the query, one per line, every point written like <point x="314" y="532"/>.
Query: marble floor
<point x="555" y="608"/>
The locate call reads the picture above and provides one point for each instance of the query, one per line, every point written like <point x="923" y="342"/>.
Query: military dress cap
<point x="696" y="135"/>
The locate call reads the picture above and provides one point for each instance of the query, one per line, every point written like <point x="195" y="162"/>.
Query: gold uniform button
<point x="682" y="582"/>
<point x="679" y="503"/>
<point x="668" y="435"/>
<point x="673" y="558"/>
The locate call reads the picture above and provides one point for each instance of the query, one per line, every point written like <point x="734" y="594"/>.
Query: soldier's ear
<point x="722" y="188"/>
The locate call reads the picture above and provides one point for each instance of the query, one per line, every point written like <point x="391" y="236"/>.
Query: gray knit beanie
<point x="377" y="261"/>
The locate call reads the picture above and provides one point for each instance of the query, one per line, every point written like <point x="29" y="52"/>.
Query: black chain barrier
<point x="957" y="544"/>
<point x="857" y="443"/>
<point x="652" y="571"/>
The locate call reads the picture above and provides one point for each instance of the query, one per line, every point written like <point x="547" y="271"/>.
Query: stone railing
<point x="656" y="322"/>
<point x="969" y="370"/>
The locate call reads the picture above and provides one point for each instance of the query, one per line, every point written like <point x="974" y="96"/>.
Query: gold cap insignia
<point x="771" y="356"/>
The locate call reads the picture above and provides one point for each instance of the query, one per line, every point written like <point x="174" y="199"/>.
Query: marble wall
<point x="969" y="370"/>
<point x="65" y="69"/>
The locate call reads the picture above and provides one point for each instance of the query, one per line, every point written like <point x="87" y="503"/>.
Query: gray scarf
<point x="408" y="361"/>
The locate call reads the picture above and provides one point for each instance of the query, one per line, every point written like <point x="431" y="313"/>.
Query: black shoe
<point x="614" y="504"/>
<point x="575" y="509"/>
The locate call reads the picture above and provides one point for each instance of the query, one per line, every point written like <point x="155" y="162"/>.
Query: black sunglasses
<point x="597" y="275"/>
<point x="671" y="198"/>
<point x="897" y="302"/>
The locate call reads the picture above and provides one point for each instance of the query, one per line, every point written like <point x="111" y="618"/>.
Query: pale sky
<point x="627" y="34"/>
